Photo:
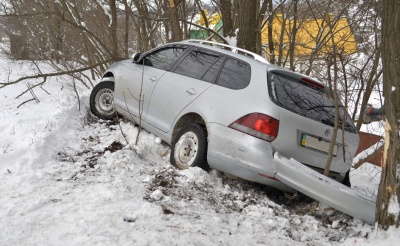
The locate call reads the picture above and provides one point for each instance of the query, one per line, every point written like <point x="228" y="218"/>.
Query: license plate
<point x="317" y="144"/>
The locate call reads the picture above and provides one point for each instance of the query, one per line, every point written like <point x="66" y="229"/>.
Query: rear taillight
<point x="258" y="125"/>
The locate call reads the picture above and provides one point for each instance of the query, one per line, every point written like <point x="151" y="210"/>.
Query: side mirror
<point x="135" y="57"/>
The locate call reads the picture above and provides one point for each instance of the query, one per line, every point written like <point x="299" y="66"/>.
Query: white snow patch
<point x="232" y="41"/>
<point x="157" y="195"/>
<point x="65" y="180"/>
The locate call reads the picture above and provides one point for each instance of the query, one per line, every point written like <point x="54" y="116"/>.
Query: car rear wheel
<point x="189" y="147"/>
<point x="102" y="100"/>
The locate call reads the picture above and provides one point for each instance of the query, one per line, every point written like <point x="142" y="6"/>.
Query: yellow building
<point x="212" y="19"/>
<point x="312" y="34"/>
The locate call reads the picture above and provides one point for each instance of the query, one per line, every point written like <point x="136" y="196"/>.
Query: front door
<point x="177" y="89"/>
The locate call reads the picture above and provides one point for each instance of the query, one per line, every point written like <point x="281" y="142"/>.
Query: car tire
<point x="346" y="180"/>
<point x="189" y="148"/>
<point x="102" y="100"/>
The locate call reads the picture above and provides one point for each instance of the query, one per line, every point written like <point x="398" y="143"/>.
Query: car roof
<point x="226" y="49"/>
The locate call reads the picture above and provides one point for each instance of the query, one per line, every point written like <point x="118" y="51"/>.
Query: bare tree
<point x="63" y="34"/>
<point x="389" y="191"/>
<point x="247" y="36"/>
<point x="229" y="12"/>
<point x="174" y="20"/>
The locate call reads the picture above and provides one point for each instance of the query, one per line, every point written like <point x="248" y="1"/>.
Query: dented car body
<point x="228" y="109"/>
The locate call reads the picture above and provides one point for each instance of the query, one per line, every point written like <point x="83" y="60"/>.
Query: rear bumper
<point x="242" y="155"/>
<point x="253" y="159"/>
<point x="324" y="189"/>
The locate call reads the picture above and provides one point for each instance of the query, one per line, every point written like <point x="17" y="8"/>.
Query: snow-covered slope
<point x="67" y="178"/>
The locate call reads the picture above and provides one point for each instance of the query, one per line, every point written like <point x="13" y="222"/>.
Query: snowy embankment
<point x="69" y="179"/>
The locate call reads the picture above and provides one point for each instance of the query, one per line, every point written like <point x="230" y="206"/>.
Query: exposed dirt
<point x="237" y="196"/>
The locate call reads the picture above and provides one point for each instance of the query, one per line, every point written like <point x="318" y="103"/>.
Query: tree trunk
<point x="18" y="47"/>
<point x="332" y="61"/>
<point x="113" y="29"/>
<point x="126" y="34"/>
<point x="184" y="15"/>
<point x="247" y="36"/>
<point x="270" y="36"/>
<point x="292" y="43"/>
<point x="333" y="91"/>
<point x="260" y="20"/>
<point x="389" y="185"/>
<point x="174" y="18"/>
<point x="227" y="20"/>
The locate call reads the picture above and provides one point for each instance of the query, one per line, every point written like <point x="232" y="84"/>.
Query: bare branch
<point x="369" y="157"/>
<point x="32" y="99"/>
<point x="31" y="87"/>
<point x="55" y="74"/>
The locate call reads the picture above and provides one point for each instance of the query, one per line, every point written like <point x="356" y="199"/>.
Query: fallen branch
<point x="41" y="87"/>
<point x="31" y="87"/>
<point x="32" y="93"/>
<point x="55" y="74"/>
<point x="26" y="102"/>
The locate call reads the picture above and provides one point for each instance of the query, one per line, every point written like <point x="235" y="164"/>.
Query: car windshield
<point x="306" y="99"/>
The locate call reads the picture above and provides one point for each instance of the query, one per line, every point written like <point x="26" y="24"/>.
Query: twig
<point x="122" y="132"/>
<point x="41" y="87"/>
<point x="77" y="94"/>
<point x="26" y="102"/>
<point x="369" y="157"/>
<point x="32" y="93"/>
<point x="126" y="105"/>
<point x="140" y="107"/>
<point x="5" y="149"/>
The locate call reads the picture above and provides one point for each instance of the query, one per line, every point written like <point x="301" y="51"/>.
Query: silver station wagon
<point x="226" y="108"/>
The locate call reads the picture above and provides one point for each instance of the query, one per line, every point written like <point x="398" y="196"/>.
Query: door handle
<point x="153" y="78"/>
<point x="191" y="91"/>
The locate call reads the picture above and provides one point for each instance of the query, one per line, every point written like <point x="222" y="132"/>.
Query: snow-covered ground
<point x="67" y="178"/>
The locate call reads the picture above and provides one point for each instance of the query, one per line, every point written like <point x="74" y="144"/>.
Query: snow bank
<point x="68" y="178"/>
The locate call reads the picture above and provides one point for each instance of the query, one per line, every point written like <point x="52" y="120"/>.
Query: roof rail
<point x="232" y="48"/>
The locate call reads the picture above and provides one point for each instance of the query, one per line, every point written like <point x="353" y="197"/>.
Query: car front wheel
<point x="189" y="148"/>
<point x="102" y="100"/>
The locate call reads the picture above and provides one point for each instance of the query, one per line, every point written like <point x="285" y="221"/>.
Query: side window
<point x="235" y="74"/>
<point x="164" y="58"/>
<point x="197" y="63"/>
<point x="213" y="71"/>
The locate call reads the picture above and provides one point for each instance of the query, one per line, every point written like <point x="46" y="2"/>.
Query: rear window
<point x="306" y="99"/>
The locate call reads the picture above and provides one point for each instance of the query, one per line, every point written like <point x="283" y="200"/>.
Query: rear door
<point x="307" y="115"/>
<point x="175" y="90"/>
